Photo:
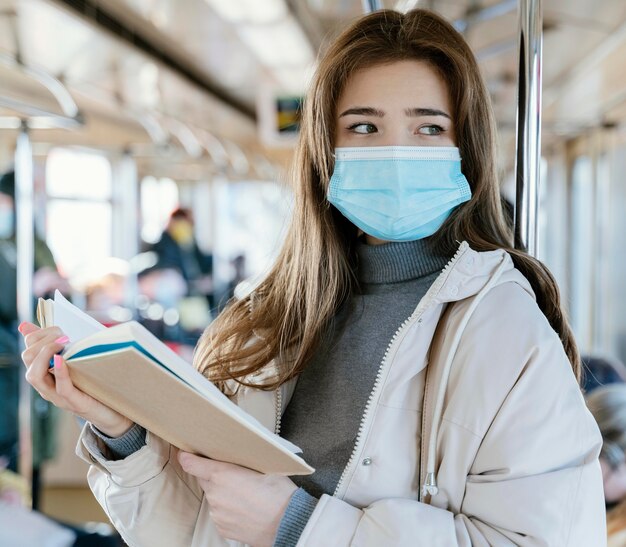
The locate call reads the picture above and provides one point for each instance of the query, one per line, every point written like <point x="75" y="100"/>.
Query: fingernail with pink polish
<point x="57" y="360"/>
<point x="62" y="340"/>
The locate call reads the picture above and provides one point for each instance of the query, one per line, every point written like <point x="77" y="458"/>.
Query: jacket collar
<point x="469" y="271"/>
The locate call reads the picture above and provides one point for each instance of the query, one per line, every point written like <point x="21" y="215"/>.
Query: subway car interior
<point x="147" y="153"/>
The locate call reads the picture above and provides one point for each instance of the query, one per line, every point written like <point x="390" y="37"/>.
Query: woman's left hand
<point x="244" y="505"/>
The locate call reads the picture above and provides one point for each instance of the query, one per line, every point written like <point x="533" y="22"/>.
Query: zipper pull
<point x="430" y="485"/>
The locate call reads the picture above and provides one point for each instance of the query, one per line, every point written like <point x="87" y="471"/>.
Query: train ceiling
<point x="148" y="66"/>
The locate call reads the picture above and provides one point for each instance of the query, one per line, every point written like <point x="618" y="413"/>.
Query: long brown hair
<point x="313" y="273"/>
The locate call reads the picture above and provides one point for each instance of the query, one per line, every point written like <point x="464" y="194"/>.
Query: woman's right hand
<point x="55" y="385"/>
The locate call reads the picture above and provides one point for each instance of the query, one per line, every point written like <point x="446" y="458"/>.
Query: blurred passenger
<point x="177" y="248"/>
<point x="238" y="268"/>
<point x="165" y="286"/>
<point x="45" y="280"/>
<point x="608" y="406"/>
<point x="13" y="487"/>
<point x="105" y="295"/>
<point x="601" y="371"/>
<point x="375" y="321"/>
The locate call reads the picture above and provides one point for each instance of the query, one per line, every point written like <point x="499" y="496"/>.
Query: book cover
<point x="130" y="370"/>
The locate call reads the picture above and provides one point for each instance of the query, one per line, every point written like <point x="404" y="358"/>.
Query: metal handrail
<point x="237" y="157"/>
<point x="70" y="116"/>
<point x="371" y="5"/>
<point x="528" y="125"/>
<point x="214" y="148"/>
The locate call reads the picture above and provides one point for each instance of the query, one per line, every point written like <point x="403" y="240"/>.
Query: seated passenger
<point x="177" y="249"/>
<point x="601" y="371"/>
<point x="608" y="406"/>
<point x="46" y="279"/>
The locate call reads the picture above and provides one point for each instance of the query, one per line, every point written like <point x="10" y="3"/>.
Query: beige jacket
<point x="508" y="455"/>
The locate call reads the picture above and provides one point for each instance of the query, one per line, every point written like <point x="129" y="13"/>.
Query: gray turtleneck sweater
<point x="325" y="411"/>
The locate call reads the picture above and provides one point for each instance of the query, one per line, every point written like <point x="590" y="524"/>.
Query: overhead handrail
<point x="264" y="168"/>
<point x="238" y="159"/>
<point x="164" y="131"/>
<point x="70" y="116"/>
<point x="214" y="148"/>
<point x="185" y="136"/>
<point x="158" y="135"/>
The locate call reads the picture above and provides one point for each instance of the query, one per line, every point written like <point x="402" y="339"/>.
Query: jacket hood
<point x="469" y="271"/>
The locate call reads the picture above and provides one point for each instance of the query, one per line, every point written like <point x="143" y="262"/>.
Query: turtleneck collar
<point x="397" y="261"/>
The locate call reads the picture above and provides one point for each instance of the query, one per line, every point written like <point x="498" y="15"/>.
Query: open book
<point x="133" y="372"/>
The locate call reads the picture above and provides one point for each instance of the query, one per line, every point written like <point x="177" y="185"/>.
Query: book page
<point x="79" y="326"/>
<point x="75" y="323"/>
<point x="133" y="334"/>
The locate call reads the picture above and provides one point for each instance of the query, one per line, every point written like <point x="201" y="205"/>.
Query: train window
<point x="553" y="215"/>
<point x="582" y="257"/>
<point x="158" y="199"/>
<point x="542" y="213"/>
<point x="78" y="175"/>
<point x="602" y="296"/>
<point x="251" y="221"/>
<point x="78" y="185"/>
<point x="615" y="310"/>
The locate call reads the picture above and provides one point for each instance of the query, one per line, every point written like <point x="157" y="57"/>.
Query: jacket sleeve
<point x="147" y="496"/>
<point x="534" y="481"/>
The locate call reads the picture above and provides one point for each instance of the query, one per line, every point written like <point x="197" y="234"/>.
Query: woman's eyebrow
<point x="417" y="112"/>
<point x="363" y="111"/>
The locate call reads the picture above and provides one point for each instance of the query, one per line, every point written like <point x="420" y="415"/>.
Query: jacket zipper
<point x="384" y="365"/>
<point x="278" y="404"/>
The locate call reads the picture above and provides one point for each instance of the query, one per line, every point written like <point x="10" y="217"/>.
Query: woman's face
<point x="405" y="103"/>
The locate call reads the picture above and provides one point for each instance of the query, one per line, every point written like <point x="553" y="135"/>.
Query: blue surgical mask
<point x="398" y="193"/>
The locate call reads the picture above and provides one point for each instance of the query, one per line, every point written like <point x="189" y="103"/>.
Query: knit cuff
<point x="129" y="443"/>
<point x="297" y="514"/>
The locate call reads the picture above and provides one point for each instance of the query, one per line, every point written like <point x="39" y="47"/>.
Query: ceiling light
<point x="294" y="79"/>
<point x="280" y="44"/>
<point x="249" y="11"/>
<point x="405" y="5"/>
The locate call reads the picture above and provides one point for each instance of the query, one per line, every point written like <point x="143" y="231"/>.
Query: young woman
<point x="423" y="365"/>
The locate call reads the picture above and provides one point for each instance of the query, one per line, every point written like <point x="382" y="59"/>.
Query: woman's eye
<point x="362" y="128"/>
<point x="431" y="130"/>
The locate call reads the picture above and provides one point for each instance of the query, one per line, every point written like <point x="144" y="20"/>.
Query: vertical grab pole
<point x="25" y="240"/>
<point x="528" y="125"/>
<point x="126" y="220"/>
<point x="371" y="5"/>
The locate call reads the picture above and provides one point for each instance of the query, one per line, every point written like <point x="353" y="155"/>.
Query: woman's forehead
<point x="401" y="84"/>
